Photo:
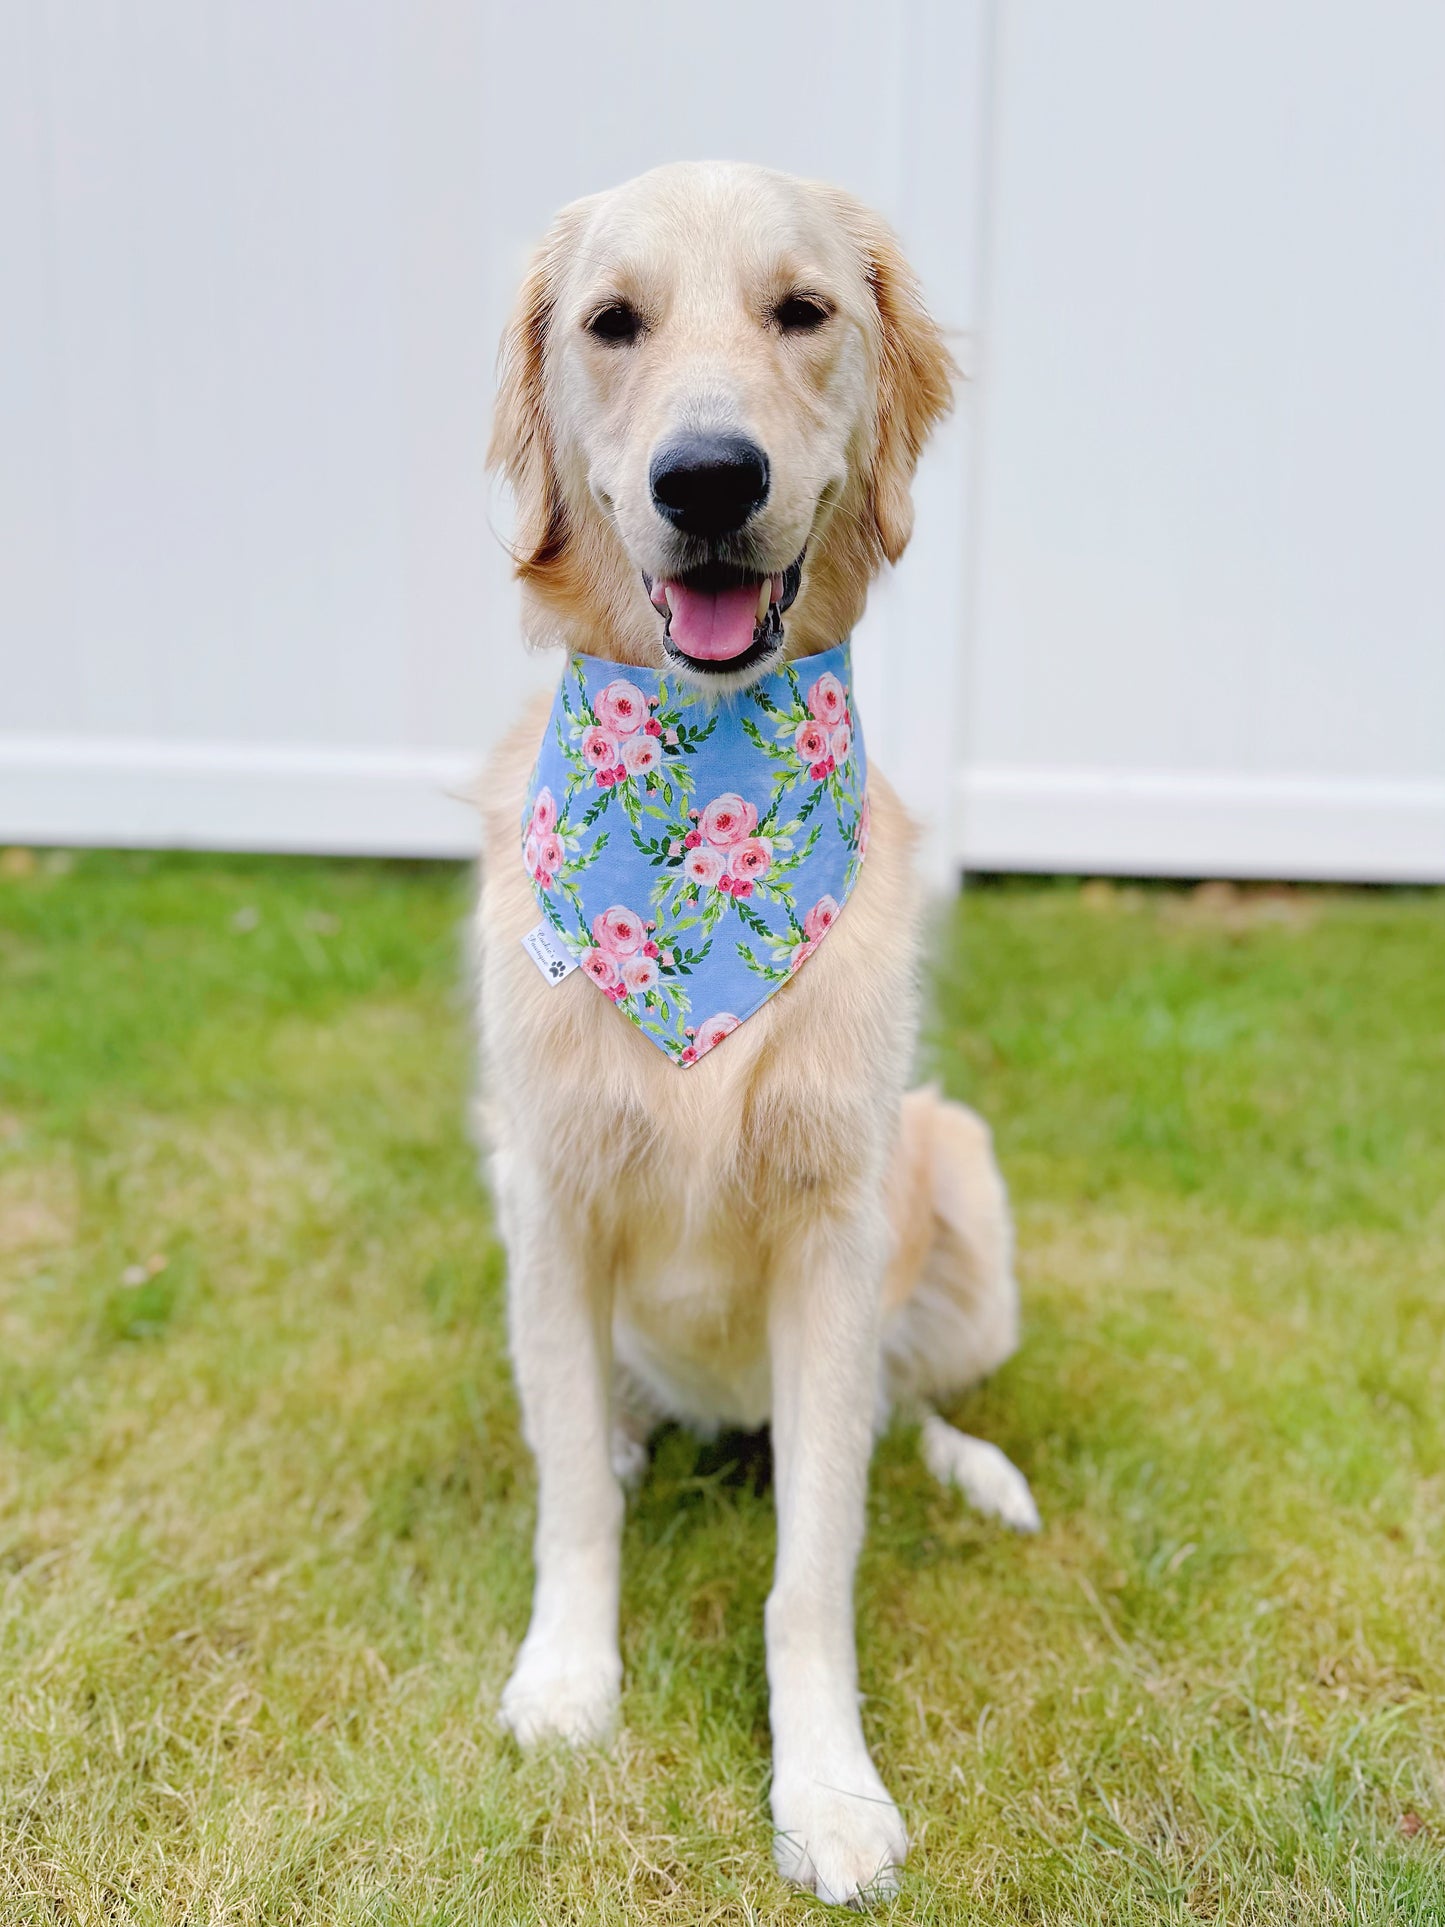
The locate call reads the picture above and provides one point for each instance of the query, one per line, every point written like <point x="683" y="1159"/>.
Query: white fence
<point x="1210" y="626"/>
<point x="1175" y="598"/>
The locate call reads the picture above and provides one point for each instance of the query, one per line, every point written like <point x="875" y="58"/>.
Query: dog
<point x="713" y="394"/>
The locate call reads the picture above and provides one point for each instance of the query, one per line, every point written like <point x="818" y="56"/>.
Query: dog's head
<point x="714" y="391"/>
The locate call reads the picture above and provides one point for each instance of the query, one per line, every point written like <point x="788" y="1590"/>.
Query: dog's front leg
<point x="836" y="1829"/>
<point x="566" y="1680"/>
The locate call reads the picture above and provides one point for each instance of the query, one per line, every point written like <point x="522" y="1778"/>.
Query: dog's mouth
<point x="719" y="618"/>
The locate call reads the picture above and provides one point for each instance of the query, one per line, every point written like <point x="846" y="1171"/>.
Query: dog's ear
<point x="521" y="445"/>
<point x="916" y="374"/>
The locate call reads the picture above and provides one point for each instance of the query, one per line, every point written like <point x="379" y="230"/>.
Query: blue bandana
<point x="690" y="850"/>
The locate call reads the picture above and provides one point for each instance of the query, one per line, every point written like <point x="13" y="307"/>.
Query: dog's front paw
<point x="837" y="1833"/>
<point x="555" y="1694"/>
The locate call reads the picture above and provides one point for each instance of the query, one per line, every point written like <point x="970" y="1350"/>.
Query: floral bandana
<point x="691" y="851"/>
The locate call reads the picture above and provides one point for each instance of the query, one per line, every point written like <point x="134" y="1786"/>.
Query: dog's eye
<point x="800" y="314"/>
<point x="618" y="321"/>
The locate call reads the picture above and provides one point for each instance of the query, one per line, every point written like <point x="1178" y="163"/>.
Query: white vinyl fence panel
<point x="256" y="258"/>
<point x="1175" y="600"/>
<point x="1210" y="617"/>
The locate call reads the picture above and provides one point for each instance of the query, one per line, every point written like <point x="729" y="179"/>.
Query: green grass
<point x="265" y="1512"/>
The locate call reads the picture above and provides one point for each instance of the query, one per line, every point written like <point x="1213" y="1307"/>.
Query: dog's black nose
<point x="709" y="484"/>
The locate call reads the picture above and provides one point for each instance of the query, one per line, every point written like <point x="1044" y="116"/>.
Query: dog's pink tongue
<point x="713" y="628"/>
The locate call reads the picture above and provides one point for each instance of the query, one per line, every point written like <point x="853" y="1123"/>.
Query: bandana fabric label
<point x="691" y="851"/>
<point x="545" y="949"/>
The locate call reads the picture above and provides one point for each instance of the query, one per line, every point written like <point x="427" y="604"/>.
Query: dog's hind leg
<point x="951" y="1309"/>
<point x="990" y="1481"/>
<point x="636" y="1415"/>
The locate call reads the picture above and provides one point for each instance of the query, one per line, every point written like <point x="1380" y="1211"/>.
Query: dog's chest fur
<point x="682" y="1186"/>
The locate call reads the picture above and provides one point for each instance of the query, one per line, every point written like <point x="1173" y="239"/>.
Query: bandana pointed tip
<point x="690" y="852"/>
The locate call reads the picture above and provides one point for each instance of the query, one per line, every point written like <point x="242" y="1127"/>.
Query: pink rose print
<point x="601" y="969"/>
<point x="544" y="857"/>
<point x="828" y="701"/>
<point x="819" y="920"/>
<point x="617" y="931"/>
<point x="727" y="820"/>
<point x="639" y="974"/>
<point x="712" y="1031"/>
<point x="864" y="819"/>
<point x="621" y="707"/>
<point x="704" y="866"/>
<point x="840" y="743"/>
<point x="544" y="812"/>
<point x="811" y="742"/>
<point x="750" y="859"/>
<point x="640" y="755"/>
<point x="599" y="748"/>
<point x="801" y="954"/>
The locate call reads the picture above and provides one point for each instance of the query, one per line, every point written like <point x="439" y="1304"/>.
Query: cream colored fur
<point x="778" y="1233"/>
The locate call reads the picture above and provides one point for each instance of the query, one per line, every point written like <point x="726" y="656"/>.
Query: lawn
<point x="265" y="1512"/>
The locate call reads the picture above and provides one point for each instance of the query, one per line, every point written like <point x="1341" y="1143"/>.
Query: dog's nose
<point x="709" y="484"/>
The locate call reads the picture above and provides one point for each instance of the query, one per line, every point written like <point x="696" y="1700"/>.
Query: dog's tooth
<point x="765" y="596"/>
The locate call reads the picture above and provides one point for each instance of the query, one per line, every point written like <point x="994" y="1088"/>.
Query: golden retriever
<point x="776" y="1233"/>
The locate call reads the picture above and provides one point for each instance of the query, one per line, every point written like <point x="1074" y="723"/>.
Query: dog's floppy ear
<point x="915" y="378"/>
<point x="521" y="444"/>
